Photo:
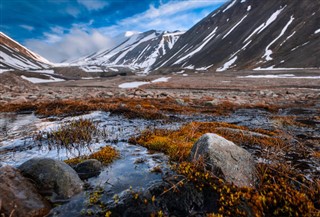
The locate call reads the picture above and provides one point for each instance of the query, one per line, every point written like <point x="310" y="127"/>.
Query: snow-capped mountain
<point x="139" y="50"/>
<point x="15" y="56"/>
<point x="251" y="34"/>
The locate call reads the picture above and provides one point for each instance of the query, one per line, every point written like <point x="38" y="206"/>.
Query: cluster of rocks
<point x="18" y="94"/>
<point x="30" y="189"/>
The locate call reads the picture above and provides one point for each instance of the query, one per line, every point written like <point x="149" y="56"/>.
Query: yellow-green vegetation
<point x="177" y="144"/>
<point x="281" y="191"/>
<point x="74" y="135"/>
<point x="95" y="196"/>
<point x="105" y="155"/>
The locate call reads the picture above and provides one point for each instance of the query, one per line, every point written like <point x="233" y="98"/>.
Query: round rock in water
<point x="225" y="159"/>
<point x="88" y="168"/>
<point x="52" y="177"/>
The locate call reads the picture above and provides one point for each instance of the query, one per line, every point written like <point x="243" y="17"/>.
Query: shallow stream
<point x="133" y="169"/>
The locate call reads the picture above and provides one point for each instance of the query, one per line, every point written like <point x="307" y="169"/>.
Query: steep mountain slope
<point x="250" y="34"/>
<point x="15" y="56"/>
<point x="138" y="51"/>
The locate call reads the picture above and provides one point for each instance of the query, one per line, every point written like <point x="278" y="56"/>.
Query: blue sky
<point x="66" y="29"/>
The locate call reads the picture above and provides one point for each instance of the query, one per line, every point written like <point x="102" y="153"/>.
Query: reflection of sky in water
<point x="125" y="173"/>
<point x="18" y="146"/>
<point x="13" y="125"/>
<point x="122" y="174"/>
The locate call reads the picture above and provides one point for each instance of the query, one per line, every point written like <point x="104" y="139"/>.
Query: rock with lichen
<point x="225" y="159"/>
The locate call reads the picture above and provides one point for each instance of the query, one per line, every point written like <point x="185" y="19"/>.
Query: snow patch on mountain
<point x="235" y="26"/>
<point x="268" y="52"/>
<point x="229" y="6"/>
<point x="263" y="26"/>
<point x="227" y="65"/>
<point x="205" y="41"/>
<point x="287" y="38"/>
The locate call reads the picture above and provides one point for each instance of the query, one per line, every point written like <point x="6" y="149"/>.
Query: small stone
<point x="88" y="168"/>
<point x="181" y="102"/>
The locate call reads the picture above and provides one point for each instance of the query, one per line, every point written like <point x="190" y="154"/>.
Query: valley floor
<point x="269" y="87"/>
<point x="275" y="116"/>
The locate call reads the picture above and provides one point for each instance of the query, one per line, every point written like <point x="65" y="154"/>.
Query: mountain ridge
<point x="140" y="50"/>
<point x="257" y="35"/>
<point x="16" y="56"/>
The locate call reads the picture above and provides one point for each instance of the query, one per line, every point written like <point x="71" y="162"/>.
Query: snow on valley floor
<point x="40" y="80"/>
<point x="280" y="76"/>
<point x="136" y="84"/>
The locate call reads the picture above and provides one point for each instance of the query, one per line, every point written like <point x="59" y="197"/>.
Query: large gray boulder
<point x="225" y="159"/>
<point x="18" y="196"/>
<point x="52" y="177"/>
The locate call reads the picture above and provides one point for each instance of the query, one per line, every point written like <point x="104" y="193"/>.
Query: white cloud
<point x="175" y="15"/>
<point x="75" y="44"/>
<point x="82" y="39"/>
<point x="27" y="27"/>
<point x="73" y="11"/>
<point x="93" y="5"/>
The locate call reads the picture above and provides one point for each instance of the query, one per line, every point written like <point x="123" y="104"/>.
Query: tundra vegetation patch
<point x="282" y="189"/>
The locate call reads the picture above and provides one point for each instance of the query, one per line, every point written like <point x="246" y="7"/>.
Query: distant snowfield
<point x="48" y="71"/>
<point x="5" y="70"/>
<point x="136" y="84"/>
<point x="39" y="80"/>
<point x="280" y="76"/>
<point x="271" y="68"/>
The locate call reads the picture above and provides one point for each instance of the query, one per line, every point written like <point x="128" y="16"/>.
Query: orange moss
<point x="105" y="155"/>
<point x="145" y="108"/>
<point x="177" y="144"/>
<point x="316" y="154"/>
<point x="287" y="121"/>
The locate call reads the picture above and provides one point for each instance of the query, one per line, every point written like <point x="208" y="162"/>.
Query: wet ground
<point x="133" y="170"/>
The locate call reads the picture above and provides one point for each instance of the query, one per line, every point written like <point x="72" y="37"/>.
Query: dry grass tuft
<point x="73" y="136"/>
